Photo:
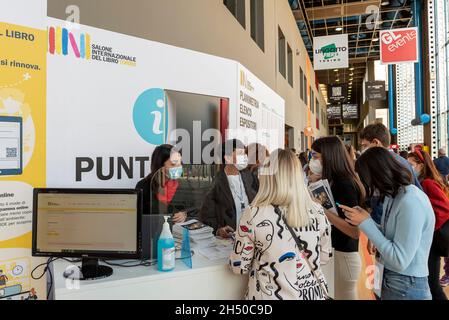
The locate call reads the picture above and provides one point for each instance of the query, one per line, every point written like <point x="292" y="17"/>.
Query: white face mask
<point x="242" y="162"/>
<point x="315" y="166"/>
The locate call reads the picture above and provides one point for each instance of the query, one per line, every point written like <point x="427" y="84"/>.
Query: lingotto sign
<point x="330" y="52"/>
<point x="399" y="45"/>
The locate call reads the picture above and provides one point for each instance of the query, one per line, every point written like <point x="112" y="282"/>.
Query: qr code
<point x="11" y="152"/>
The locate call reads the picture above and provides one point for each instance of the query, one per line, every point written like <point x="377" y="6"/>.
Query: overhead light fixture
<point x="350" y="79"/>
<point x="337" y="80"/>
<point x="352" y="68"/>
<point x="351" y="74"/>
<point x="339" y="27"/>
<point x="336" y="70"/>
<point x="385" y="3"/>
<point x="375" y="39"/>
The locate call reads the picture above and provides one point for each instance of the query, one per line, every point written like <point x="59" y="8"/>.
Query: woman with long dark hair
<point x="437" y="191"/>
<point x="160" y="187"/>
<point x="346" y="187"/>
<point x="404" y="236"/>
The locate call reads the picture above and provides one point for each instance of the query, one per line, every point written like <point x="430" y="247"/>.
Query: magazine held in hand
<point x="321" y="192"/>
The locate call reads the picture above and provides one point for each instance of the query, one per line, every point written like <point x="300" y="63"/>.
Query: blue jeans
<point x="397" y="286"/>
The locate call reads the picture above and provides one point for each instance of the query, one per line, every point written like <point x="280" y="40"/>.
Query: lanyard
<point x="240" y="195"/>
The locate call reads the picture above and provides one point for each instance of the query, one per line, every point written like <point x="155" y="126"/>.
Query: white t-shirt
<point x="239" y="194"/>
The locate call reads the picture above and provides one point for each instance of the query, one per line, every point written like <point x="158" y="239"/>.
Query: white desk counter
<point x="208" y="280"/>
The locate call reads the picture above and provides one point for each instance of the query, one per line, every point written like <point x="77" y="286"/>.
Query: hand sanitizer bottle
<point x="166" y="249"/>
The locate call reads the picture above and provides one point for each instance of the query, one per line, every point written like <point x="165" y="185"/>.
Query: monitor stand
<point x="90" y="270"/>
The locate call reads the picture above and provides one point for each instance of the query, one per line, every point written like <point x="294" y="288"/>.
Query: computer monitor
<point x="91" y="224"/>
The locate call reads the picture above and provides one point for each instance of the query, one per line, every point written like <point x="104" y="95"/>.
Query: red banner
<point x="399" y="45"/>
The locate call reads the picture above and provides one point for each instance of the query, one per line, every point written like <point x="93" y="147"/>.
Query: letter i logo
<point x="150" y="116"/>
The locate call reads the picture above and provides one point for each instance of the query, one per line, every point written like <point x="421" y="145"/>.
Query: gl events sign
<point x="330" y="52"/>
<point x="399" y="45"/>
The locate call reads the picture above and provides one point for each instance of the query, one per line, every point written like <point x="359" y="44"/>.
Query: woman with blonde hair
<point x="283" y="237"/>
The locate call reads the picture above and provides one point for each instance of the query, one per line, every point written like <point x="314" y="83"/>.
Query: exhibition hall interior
<point x="226" y="150"/>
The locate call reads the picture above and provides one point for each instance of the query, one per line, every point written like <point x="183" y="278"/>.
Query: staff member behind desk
<point x="232" y="192"/>
<point x="160" y="187"/>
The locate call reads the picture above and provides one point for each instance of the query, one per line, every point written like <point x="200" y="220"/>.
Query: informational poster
<point x="399" y="45"/>
<point x="375" y="90"/>
<point x="261" y="112"/>
<point x="350" y="111"/>
<point x="23" y="49"/>
<point x="334" y="112"/>
<point x="337" y="93"/>
<point x="331" y="52"/>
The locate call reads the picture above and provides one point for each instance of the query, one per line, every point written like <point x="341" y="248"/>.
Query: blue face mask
<point x="416" y="172"/>
<point x="175" y="173"/>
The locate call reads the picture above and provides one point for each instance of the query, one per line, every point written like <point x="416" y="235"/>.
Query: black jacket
<point x="218" y="208"/>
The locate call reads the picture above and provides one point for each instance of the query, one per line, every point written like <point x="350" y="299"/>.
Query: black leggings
<point x="434" y="276"/>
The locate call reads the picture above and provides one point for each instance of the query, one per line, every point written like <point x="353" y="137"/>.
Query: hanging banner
<point x="350" y="111"/>
<point x="375" y="90"/>
<point x="331" y="52"/>
<point x="337" y="93"/>
<point x="334" y="112"/>
<point x="399" y="45"/>
<point x="22" y="142"/>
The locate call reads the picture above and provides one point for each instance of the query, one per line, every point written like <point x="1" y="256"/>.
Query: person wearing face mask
<point x="333" y="163"/>
<point x="438" y="193"/>
<point x="232" y="192"/>
<point x="160" y="188"/>
<point x="315" y="168"/>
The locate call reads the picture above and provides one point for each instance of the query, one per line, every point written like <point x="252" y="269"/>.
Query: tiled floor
<point x="364" y="292"/>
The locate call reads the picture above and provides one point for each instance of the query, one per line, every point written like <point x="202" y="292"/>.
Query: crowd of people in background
<point x="283" y="235"/>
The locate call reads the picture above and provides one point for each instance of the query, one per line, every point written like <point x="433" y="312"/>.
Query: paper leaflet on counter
<point x="321" y="192"/>
<point x="200" y="235"/>
<point x="203" y="240"/>
<point x="220" y="250"/>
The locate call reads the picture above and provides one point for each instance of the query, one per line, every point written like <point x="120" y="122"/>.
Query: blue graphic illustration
<point x="287" y="256"/>
<point x="150" y="116"/>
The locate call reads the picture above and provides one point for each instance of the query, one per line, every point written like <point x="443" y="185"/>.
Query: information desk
<point x="208" y="280"/>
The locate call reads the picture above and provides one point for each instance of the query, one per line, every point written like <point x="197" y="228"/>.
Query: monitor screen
<point x="95" y="223"/>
